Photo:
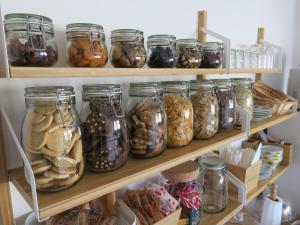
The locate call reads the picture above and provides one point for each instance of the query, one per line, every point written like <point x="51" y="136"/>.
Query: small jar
<point x="104" y="124"/>
<point x="189" y="51"/>
<point x="146" y="118"/>
<point x="227" y="103"/>
<point x="244" y="97"/>
<point x="161" y="51"/>
<point x="86" y="45"/>
<point x="30" y="40"/>
<point x="183" y="185"/>
<point x="51" y="137"/>
<point x="205" y="109"/>
<point x="127" y="48"/>
<point x="213" y="55"/>
<point x="179" y="112"/>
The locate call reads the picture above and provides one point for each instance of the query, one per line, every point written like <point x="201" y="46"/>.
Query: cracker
<point x="34" y="118"/>
<point x="63" y="161"/>
<point x="68" y="181"/>
<point x="50" y="153"/>
<point x="51" y="174"/>
<point x="45" y="109"/>
<point x="42" y="180"/>
<point x="37" y="162"/>
<point x="63" y="117"/>
<point x="60" y="140"/>
<point x="35" y="141"/>
<point x="44" y="125"/>
<point x="41" y="168"/>
<point x="64" y="170"/>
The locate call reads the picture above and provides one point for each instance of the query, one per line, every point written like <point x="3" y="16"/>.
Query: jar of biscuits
<point x="105" y="134"/>
<point x="179" y="112"/>
<point x="205" y="108"/>
<point x="189" y="51"/>
<point x="51" y="137"/>
<point x="30" y="40"/>
<point x="213" y="55"/>
<point x="86" y="45"/>
<point x="127" y="48"/>
<point x="146" y="119"/>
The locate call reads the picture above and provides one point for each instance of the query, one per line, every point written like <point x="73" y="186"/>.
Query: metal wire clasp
<point x="94" y="36"/>
<point x="37" y="23"/>
<point x="59" y="94"/>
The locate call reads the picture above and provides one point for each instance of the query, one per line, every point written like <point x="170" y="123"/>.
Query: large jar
<point x="127" y="48"/>
<point x="161" y="52"/>
<point x="147" y="123"/>
<point x="205" y="109"/>
<point x="179" y="112"/>
<point x="213" y="55"/>
<point x="30" y="40"/>
<point x="86" y="45"/>
<point x="227" y="103"/>
<point x="189" y="51"/>
<point x="244" y="97"/>
<point x="51" y="137"/>
<point x="104" y="124"/>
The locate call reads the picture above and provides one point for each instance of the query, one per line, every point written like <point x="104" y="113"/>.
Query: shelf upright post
<point x="260" y="39"/>
<point x="202" y="36"/>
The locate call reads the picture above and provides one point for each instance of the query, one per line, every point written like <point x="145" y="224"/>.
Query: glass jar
<point x="179" y="112"/>
<point x="146" y="119"/>
<point x="161" y="51"/>
<point x="233" y="58"/>
<point x="51" y="137"/>
<point x="30" y="40"/>
<point x="183" y="185"/>
<point x="127" y="48"/>
<point x="86" y="45"/>
<point x="189" y="51"/>
<point x="244" y="97"/>
<point x="205" y="109"/>
<point x="227" y="102"/>
<point x="240" y="60"/>
<point x="104" y="124"/>
<point x="213" y="55"/>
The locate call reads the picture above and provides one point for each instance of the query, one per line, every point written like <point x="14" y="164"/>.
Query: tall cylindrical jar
<point x="213" y="55"/>
<point x="105" y="137"/>
<point x="205" y="109"/>
<point x="189" y="51"/>
<point x="146" y="118"/>
<point x="86" y="45"/>
<point x="51" y="137"/>
<point x="179" y="112"/>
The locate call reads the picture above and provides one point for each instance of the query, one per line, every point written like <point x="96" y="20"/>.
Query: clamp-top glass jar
<point x="161" y="51"/>
<point x="86" y="45"/>
<point x="30" y="40"/>
<point x="213" y="55"/>
<point x="147" y="120"/>
<point x="105" y="134"/>
<point x="51" y="137"/>
<point x="127" y="50"/>
<point x="189" y="51"/>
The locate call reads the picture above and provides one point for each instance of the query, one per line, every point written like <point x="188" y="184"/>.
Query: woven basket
<point x="265" y="91"/>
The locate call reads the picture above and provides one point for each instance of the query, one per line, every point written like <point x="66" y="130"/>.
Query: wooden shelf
<point x="262" y="71"/>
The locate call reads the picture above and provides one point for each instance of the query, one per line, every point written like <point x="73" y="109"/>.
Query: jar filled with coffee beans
<point x="213" y="55"/>
<point x="104" y="125"/>
<point x="189" y="51"/>
<point x="127" y="50"/>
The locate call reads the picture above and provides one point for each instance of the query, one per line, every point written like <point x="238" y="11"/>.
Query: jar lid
<point x="83" y="29"/>
<point x="90" y="91"/>
<point x="126" y="35"/>
<point x="201" y="84"/>
<point x="223" y="82"/>
<point x="211" y="46"/>
<point x="188" y="42"/>
<point x="246" y="81"/>
<point x="175" y="86"/>
<point x="146" y="89"/>
<point x="185" y="172"/>
<point x="212" y="163"/>
<point x="161" y="39"/>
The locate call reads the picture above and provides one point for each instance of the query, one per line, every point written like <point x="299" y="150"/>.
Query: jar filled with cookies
<point x="205" y="109"/>
<point x="146" y="119"/>
<point x="189" y="51"/>
<point x="127" y="48"/>
<point x="179" y="112"/>
<point x="51" y="137"/>
<point x="86" y="45"/>
<point x="105" y="137"/>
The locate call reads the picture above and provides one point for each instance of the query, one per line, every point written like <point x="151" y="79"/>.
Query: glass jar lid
<point x="161" y="39"/>
<point x="188" y="43"/>
<point x="185" y="172"/>
<point x="212" y="163"/>
<point x="223" y="83"/>
<point x="242" y="81"/>
<point x="212" y="46"/>
<point x="126" y="35"/>
<point x="175" y="86"/>
<point x="146" y="89"/>
<point x="201" y="84"/>
<point x="94" y="91"/>
<point x="84" y="29"/>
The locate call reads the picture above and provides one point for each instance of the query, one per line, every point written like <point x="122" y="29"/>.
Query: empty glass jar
<point x="189" y="51"/>
<point x="213" y="55"/>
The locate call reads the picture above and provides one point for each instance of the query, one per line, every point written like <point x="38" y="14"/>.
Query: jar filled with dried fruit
<point x="205" y="108"/>
<point x="105" y="134"/>
<point x="189" y="51"/>
<point x="51" y="137"/>
<point x="213" y="55"/>
<point x="127" y="48"/>
<point x="30" y="40"/>
<point x="162" y="51"/>
<point x="179" y="112"/>
<point x="86" y="45"/>
<point x="146" y="119"/>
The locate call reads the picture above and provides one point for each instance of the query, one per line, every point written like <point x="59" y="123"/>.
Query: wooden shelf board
<point x="262" y="71"/>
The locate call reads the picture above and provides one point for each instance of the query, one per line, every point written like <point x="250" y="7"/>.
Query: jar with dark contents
<point x="161" y="51"/>
<point x="189" y="51"/>
<point x="213" y="55"/>
<point x="30" y="40"/>
<point x="86" y="45"/>
<point x="104" y="125"/>
<point x="127" y="50"/>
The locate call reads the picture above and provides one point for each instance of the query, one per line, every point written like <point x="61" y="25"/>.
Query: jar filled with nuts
<point x="51" y="137"/>
<point x="127" y="50"/>
<point x="86" y="45"/>
<point x="162" y="51"/>
<point x="146" y="119"/>
<point x="179" y="112"/>
<point x="213" y="55"/>
<point x="30" y="40"/>
<point x="205" y="108"/>
<point x="105" y="134"/>
<point x="227" y="103"/>
<point x="189" y="51"/>
<point x="244" y="97"/>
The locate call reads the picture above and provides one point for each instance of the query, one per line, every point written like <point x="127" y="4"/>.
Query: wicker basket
<point x="265" y="91"/>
